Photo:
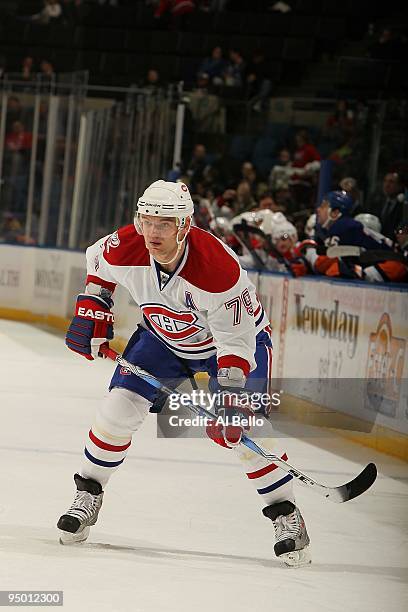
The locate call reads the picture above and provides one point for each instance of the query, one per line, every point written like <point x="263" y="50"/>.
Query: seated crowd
<point x="271" y="228"/>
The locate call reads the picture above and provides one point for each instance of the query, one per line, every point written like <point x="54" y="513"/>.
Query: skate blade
<point x="67" y="539"/>
<point x="297" y="558"/>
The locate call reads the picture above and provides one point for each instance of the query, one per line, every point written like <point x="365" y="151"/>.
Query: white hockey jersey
<point x="207" y="306"/>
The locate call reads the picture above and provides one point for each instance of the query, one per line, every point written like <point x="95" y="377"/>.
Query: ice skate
<point x="292" y="540"/>
<point x="83" y="513"/>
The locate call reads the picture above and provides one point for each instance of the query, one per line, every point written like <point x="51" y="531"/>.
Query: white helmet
<point x="165" y="199"/>
<point x="248" y="217"/>
<point x="370" y="221"/>
<point x="221" y="225"/>
<point x="285" y="227"/>
<point x="310" y="227"/>
<point x="269" y="220"/>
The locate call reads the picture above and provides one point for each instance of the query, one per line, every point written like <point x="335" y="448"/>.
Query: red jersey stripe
<point x="99" y="281"/>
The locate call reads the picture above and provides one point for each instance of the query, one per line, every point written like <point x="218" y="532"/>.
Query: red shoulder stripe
<point x="126" y="247"/>
<point x="209" y="266"/>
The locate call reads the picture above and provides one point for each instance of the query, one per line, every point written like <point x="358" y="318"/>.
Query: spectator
<point x="245" y="200"/>
<point x="307" y="161"/>
<point x="198" y="166"/>
<point x="235" y="69"/>
<point x="214" y="67"/>
<point x="12" y="231"/>
<point x="152" y="81"/>
<point x="47" y="70"/>
<point x="225" y="205"/>
<point x="267" y="202"/>
<point x="27" y="68"/>
<point x="305" y="151"/>
<point x="18" y="139"/>
<point x="258" y="81"/>
<point x="203" y="213"/>
<point x="281" y="171"/>
<point x="248" y="173"/>
<point x="388" y="204"/>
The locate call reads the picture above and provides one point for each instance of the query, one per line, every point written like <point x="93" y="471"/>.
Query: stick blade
<point x="360" y="483"/>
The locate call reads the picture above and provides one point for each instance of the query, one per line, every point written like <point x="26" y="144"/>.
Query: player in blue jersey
<point x="338" y="228"/>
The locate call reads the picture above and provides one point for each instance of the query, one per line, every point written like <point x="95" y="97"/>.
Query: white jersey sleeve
<point x="231" y="320"/>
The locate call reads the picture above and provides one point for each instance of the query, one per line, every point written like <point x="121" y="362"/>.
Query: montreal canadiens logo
<point x="113" y="242"/>
<point x="171" y="324"/>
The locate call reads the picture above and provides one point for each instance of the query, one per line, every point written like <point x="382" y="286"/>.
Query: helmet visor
<point x="160" y="226"/>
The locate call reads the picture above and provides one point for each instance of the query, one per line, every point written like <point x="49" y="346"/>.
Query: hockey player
<point x="200" y="313"/>
<point x="285" y="241"/>
<point x="338" y="228"/>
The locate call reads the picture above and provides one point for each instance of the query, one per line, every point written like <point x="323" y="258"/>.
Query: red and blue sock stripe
<point x="270" y="477"/>
<point x="104" y="453"/>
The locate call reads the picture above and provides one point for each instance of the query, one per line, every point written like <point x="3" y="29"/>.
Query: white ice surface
<point x="181" y="528"/>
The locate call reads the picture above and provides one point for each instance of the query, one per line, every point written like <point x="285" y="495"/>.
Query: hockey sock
<point x="271" y="482"/>
<point x="109" y="438"/>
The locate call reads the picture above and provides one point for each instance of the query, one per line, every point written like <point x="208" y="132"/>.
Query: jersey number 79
<point x="236" y="304"/>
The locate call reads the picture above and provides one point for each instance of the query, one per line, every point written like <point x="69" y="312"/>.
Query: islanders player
<point x="200" y="314"/>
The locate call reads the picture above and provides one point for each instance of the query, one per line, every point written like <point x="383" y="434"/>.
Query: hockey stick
<point x="344" y="251"/>
<point x="243" y="226"/>
<point x="244" y="242"/>
<point x="350" y="490"/>
<point x="369" y="257"/>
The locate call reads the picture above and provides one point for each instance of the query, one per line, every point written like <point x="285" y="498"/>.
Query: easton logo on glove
<point x="91" y="326"/>
<point x="96" y="314"/>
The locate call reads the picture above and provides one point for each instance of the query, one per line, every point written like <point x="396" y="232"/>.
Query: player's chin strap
<point x="343" y="493"/>
<point x="179" y="246"/>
